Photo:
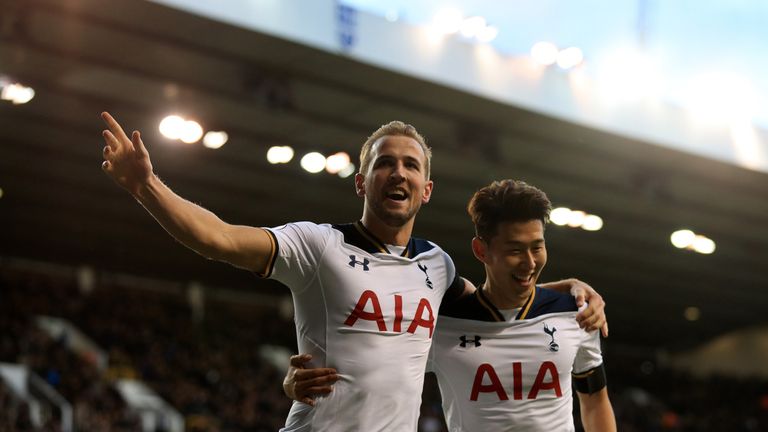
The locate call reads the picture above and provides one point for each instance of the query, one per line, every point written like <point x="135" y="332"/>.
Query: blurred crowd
<point x="210" y="369"/>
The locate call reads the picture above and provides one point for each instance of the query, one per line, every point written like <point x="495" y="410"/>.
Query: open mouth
<point x="524" y="280"/>
<point x="397" y="195"/>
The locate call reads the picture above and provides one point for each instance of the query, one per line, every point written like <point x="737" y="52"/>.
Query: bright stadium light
<point x="347" y="171"/>
<point x="576" y="218"/>
<point x="682" y="239"/>
<point x="487" y="34"/>
<point x="448" y="21"/>
<point x="336" y="162"/>
<point x="472" y="26"/>
<point x="16" y="93"/>
<point x="569" y="57"/>
<point x="559" y="216"/>
<point x="172" y="127"/>
<point x="279" y="154"/>
<point x="215" y="139"/>
<point x="592" y="223"/>
<point x="544" y="53"/>
<point x="313" y="162"/>
<point x="703" y="245"/>
<point x="191" y="132"/>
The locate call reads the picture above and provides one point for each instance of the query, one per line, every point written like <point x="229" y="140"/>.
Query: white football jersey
<point x="499" y="375"/>
<point x="368" y="313"/>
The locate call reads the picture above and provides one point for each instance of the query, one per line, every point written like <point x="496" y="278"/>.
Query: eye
<point x="382" y="162"/>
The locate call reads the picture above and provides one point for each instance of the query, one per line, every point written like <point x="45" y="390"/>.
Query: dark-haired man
<point x="506" y="354"/>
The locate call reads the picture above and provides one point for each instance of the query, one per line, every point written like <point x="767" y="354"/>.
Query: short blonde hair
<point x="394" y="128"/>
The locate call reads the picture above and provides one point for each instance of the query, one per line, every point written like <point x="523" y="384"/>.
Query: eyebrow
<point x="390" y="157"/>
<point x="519" y="243"/>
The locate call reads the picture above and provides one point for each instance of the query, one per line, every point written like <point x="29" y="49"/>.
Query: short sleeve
<point x="299" y="246"/>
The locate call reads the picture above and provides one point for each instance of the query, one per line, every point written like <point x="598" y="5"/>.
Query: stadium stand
<point x="211" y="369"/>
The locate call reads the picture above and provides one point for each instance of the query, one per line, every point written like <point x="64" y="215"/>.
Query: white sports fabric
<point x="381" y="350"/>
<point x="506" y="375"/>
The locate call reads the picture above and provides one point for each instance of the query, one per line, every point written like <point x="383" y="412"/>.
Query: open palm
<point x="126" y="160"/>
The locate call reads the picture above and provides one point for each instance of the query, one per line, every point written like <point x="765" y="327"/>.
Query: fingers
<point x="106" y="166"/>
<point x="138" y="146"/>
<point x="110" y="140"/>
<point x="115" y="128"/>
<point x="593" y="317"/>
<point x="604" y="330"/>
<point x="297" y="361"/>
<point x="580" y="296"/>
<point x="309" y="374"/>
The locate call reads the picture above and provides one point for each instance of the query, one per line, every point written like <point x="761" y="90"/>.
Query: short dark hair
<point x="506" y="201"/>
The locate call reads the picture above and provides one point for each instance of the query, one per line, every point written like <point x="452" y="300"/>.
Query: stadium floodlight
<point x="279" y="154"/>
<point x="336" y="162"/>
<point x="592" y="223"/>
<point x="472" y="26"/>
<point x="544" y="53"/>
<point x="313" y="162"/>
<point x="569" y="58"/>
<point x="559" y="216"/>
<point x="487" y="34"/>
<point x="215" y="139"/>
<point x="703" y="245"/>
<point x="191" y="132"/>
<point x="16" y="93"/>
<point x="576" y="218"/>
<point x="448" y="21"/>
<point x="172" y="127"/>
<point x="682" y="239"/>
<point x="347" y="171"/>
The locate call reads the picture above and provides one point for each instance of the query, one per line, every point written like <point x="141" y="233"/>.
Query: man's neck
<point x="398" y="236"/>
<point x="505" y="297"/>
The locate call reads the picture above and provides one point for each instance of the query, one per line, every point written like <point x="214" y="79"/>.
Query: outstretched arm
<point x="302" y="384"/>
<point x="597" y="412"/>
<point x="591" y="318"/>
<point x="127" y="162"/>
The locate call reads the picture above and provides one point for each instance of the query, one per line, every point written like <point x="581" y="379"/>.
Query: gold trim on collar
<point x="527" y="306"/>
<point x="484" y="302"/>
<point x="380" y="244"/>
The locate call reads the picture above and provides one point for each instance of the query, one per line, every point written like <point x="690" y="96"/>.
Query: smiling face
<point x="395" y="183"/>
<point x="514" y="257"/>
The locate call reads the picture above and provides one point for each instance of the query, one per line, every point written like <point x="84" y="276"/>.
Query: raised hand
<point x="126" y="160"/>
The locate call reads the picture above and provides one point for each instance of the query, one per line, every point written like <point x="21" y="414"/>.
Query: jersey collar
<point x="358" y="235"/>
<point x="494" y="311"/>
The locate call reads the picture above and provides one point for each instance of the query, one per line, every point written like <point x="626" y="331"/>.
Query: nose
<point x="529" y="260"/>
<point x="398" y="172"/>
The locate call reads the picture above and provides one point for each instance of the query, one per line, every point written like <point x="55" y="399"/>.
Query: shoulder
<point x="466" y="306"/>
<point x="550" y="301"/>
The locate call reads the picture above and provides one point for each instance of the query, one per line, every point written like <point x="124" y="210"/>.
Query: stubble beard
<point x="390" y="218"/>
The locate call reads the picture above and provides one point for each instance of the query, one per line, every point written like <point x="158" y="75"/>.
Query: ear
<point x="480" y="249"/>
<point x="360" y="185"/>
<point x="427" y="192"/>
